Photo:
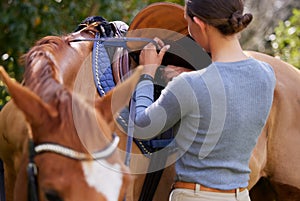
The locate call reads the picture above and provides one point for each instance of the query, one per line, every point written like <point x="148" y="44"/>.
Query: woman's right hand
<point x="149" y="57"/>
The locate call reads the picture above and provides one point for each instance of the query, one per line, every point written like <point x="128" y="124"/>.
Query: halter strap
<point x="70" y="153"/>
<point x="32" y="170"/>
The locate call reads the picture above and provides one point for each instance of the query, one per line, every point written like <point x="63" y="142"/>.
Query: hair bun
<point x="239" y="21"/>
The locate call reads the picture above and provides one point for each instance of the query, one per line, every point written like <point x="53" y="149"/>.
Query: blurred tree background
<point x="286" y="39"/>
<point x="275" y="29"/>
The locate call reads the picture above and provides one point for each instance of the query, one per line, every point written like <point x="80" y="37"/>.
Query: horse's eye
<point x="52" y="195"/>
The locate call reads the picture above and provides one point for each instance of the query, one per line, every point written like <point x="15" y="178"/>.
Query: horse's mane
<point x="44" y="48"/>
<point x="41" y="71"/>
<point x="50" y="44"/>
<point x="42" y="77"/>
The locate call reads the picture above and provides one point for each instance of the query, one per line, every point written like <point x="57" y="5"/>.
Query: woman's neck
<point x="226" y="49"/>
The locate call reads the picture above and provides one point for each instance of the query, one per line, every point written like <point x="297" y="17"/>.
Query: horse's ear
<point x="119" y="96"/>
<point x="27" y="101"/>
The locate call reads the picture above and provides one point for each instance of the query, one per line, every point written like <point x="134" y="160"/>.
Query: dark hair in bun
<point x="239" y="21"/>
<point x="226" y="15"/>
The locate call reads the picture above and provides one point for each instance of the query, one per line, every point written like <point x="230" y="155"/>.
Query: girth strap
<point x="157" y="161"/>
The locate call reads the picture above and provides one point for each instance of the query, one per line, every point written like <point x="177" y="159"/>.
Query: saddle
<point x="113" y="63"/>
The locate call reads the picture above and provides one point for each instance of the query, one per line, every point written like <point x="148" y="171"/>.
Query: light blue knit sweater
<point x="218" y="114"/>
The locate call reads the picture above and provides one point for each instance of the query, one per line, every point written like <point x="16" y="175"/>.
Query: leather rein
<point x="116" y="42"/>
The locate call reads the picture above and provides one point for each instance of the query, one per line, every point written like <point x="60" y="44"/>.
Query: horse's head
<point x="74" y="147"/>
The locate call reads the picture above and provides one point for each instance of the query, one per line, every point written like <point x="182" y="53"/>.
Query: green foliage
<point x="286" y="40"/>
<point x="23" y="22"/>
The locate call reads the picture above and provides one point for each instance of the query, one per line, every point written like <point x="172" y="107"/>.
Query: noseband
<point x="32" y="169"/>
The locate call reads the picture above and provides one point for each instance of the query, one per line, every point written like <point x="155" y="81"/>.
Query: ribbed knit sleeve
<point x="152" y="117"/>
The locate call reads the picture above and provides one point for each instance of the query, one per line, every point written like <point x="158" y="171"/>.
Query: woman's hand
<point x="170" y="71"/>
<point x="149" y="57"/>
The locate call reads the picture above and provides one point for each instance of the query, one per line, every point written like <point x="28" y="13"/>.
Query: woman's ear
<point x="200" y="23"/>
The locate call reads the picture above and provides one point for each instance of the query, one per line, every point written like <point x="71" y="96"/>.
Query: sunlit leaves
<point x="286" y="40"/>
<point x="25" y="21"/>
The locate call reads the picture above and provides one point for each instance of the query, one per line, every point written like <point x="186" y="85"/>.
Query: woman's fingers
<point x="150" y="58"/>
<point x="149" y="46"/>
<point x="163" y="48"/>
<point x="171" y="71"/>
<point x="159" y="42"/>
<point x="163" y="51"/>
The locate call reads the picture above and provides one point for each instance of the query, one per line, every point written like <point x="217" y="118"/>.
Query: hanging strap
<point x="130" y="130"/>
<point x="157" y="160"/>
<point x="32" y="174"/>
<point x="2" y="189"/>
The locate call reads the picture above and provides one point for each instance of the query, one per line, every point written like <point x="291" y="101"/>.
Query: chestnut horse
<point x="275" y="155"/>
<point x="13" y="138"/>
<point x="75" y="151"/>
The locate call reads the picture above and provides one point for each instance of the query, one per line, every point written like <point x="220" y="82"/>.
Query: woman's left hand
<point x="149" y="57"/>
<point x="171" y="71"/>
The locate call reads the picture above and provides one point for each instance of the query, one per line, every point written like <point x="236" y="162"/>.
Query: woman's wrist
<point x="146" y="76"/>
<point x="150" y="69"/>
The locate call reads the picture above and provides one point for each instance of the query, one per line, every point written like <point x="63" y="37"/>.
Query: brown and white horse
<point x="75" y="151"/>
<point x="14" y="138"/>
<point x="274" y="157"/>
